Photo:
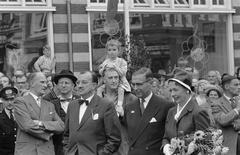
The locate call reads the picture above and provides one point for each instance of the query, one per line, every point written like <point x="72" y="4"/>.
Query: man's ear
<point x="226" y="86"/>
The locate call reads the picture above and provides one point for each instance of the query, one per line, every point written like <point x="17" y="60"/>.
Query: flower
<point x="225" y="150"/>
<point x="191" y="148"/>
<point x="198" y="135"/>
<point x="205" y="142"/>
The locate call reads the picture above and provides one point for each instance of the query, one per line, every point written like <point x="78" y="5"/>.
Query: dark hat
<point x="183" y="78"/>
<point x="66" y="74"/>
<point x="228" y="78"/>
<point x="8" y="93"/>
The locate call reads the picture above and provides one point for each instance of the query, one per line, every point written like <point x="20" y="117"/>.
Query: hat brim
<point x="57" y="77"/>
<point x="181" y="83"/>
<point x="15" y="90"/>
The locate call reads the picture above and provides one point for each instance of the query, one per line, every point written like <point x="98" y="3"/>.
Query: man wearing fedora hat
<point x="227" y="115"/>
<point x="8" y="127"/>
<point x="64" y="83"/>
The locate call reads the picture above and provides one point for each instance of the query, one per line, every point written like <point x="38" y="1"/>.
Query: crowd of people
<point x="45" y="114"/>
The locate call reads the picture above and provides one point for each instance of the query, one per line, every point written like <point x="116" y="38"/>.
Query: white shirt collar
<point x="147" y="99"/>
<point x="60" y="97"/>
<point x="179" y="111"/>
<point x="228" y="98"/>
<point x="90" y="98"/>
<point x="34" y="96"/>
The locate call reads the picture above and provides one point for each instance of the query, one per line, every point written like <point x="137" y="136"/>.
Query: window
<point x="169" y="37"/>
<point x="218" y="2"/>
<point x="22" y="35"/>
<point x="38" y="24"/>
<point x="199" y="2"/>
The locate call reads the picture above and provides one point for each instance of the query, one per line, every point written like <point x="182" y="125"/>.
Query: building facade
<point x="206" y="33"/>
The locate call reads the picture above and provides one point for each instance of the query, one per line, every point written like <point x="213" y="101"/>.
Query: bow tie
<point x="66" y="100"/>
<point x="81" y="101"/>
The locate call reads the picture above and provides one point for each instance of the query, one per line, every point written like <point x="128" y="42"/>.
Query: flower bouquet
<point x="207" y="142"/>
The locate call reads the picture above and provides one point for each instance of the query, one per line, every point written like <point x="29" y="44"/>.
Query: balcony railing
<point x="26" y="5"/>
<point x="23" y="2"/>
<point x="163" y="5"/>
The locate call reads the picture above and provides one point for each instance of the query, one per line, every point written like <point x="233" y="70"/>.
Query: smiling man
<point x="92" y="126"/>
<point x="61" y="95"/>
<point x="112" y="80"/>
<point x="37" y="119"/>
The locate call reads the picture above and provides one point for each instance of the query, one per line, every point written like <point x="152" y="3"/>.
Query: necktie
<point x="141" y="105"/>
<point x="11" y="114"/>
<point x="233" y="103"/>
<point x="81" y="101"/>
<point x="39" y="101"/>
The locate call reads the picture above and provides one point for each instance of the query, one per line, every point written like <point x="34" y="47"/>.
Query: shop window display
<point x="22" y="35"/>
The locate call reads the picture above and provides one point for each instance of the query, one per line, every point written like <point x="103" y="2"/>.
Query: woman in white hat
<point x="187" y="116"/>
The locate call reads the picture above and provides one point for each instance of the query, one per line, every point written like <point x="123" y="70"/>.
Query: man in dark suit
<point x="63" y="83"/>
<point x="8" y="127"/>
<point x="92" y="125"/>
<point x="37" y="119"/>
<point x="145" y="117"/>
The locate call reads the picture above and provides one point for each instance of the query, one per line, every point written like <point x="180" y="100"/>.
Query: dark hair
<point x="144" y="71"/>
<point x="93" y="74"/>
<point x="219" y="94"/>
<point x="237" y="73"/>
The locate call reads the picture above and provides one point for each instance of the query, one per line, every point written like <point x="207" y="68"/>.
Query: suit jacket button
<point x="147" y="148"/>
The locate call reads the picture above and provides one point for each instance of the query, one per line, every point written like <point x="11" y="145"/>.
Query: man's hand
<point x="236" y="124"/>
<point x="119" y="110"/>
<point x="39" y="123"/>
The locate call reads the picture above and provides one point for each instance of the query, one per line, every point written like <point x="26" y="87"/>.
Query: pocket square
<point x="153" y="120"/>
<point x="51" y="113"/>
<point x="95" y="117"/>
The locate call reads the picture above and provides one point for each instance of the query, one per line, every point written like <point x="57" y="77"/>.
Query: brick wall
<point x="79" y="25"/>
<point x="236" y="32"/>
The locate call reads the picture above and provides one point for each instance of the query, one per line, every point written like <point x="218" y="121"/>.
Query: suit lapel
<point x="32" y="102"/>
<point x="89" y="111"/>
<point x="150" y="111"/>
<point x="57" y="104"/>
<point x="226" y="104"/>
<point x="74" y="115"/>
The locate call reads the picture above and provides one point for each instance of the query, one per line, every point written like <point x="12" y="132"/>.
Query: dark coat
<point x="8" y="132"/>
<point x="99" y="130"/>
<point x="57" y="138"/>
<point x="191" y="119"/>
<point x="146" y="131"/>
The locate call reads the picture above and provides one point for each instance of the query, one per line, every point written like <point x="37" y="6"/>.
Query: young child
<point x="45" y="63"/>
<point x="112" y="60"/>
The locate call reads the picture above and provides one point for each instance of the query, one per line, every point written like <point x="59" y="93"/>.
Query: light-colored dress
<point x="44" y="64"/>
